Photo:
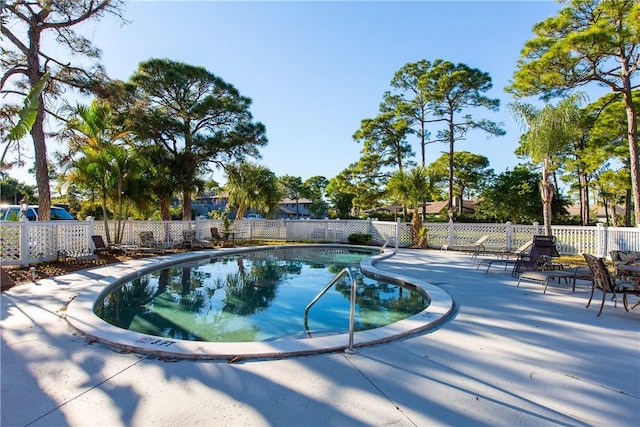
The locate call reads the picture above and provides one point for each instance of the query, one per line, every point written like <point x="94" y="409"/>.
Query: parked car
<point x="254" y="216"/>
<point x="12" y="213"/>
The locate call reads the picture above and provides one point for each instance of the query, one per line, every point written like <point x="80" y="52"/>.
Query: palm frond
<point x="27" y="115"/>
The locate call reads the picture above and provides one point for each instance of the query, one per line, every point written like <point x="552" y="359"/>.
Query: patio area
<point x="509" y="356"/>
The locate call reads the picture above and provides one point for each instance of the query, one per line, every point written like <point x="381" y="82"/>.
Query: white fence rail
<point x="24" y="243"/>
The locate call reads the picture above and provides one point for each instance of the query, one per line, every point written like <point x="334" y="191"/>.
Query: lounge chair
<point x="545" y="277"/>
<point x="189" y="240"/>
<point x="506" y="257"/>
<point x="77" y="257"/>
<point x="608" y="284"/>
<point x="217" y="237"/>
<point x="475" y="248"/>
<point x="540" y="256"/>
<point x="99" y="246"/>
<point x="149" y="244"/>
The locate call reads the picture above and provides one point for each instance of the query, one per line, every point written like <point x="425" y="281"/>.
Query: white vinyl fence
<point x="24" y="243"/>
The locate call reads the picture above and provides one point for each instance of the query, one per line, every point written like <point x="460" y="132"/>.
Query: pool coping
<point x="80" y="315"/>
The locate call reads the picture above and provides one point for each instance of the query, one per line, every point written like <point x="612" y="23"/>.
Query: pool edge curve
<point x="80" y="315"/>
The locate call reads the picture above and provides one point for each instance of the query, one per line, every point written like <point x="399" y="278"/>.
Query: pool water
<point x="257" y="296"/>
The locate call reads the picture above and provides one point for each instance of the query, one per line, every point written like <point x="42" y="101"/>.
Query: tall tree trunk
<point x="416" y="227"/>
<point x="186" y="205"/>
<point x="105" y="218"/>
<point x="627" y="209"/>
<point x="423" y="143"/>
<point x="451" y="147"/>
<point x="42" y="167"/>
<point x="423" y="160"/>
<point x="546" y="192"/>
<point x="632" y="132"/>
<point x="584" y="199"/>
<point x="37" y="131"/>
<point x="164" y="203"/>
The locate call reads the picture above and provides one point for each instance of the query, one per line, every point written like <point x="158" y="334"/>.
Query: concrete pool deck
<point x="509" y="356"/>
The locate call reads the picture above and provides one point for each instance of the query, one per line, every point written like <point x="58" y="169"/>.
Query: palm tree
<point x="411" y="188"/>
<point x="100" y="161"/>
<point x="159" y="177"/>
<point x="90" y="172"/>
<point x="548" y="132"/>
<point x="111" y="173"/>
<point x="93" y="125"/>
<point x="252" y="186"/>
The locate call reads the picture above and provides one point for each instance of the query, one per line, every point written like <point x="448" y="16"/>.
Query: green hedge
<point x="359" y="238"/>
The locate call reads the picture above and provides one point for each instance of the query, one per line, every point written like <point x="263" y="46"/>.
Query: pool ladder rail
<point x="352" y="304"/>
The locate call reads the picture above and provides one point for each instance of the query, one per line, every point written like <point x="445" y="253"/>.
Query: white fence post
<point x="536" y="228"/>
<point x="398" y="234"/>
<point x="508" y="236"/>
<point x="601" y="240"/>
<point x="24" y="242"/>
<point x="90" y="233"/>
<point x="197" y="225"/>
<point x="451" y="233"/>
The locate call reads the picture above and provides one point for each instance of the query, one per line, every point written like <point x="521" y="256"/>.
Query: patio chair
<point x="622" y="258"/>
<point x="77" y="257"/>
<point x="505" y="257"/>
<point x="190" y="240"/>
<point x="217" y="237"/>
<point x="149" y="244"/>
<point x="540" y="256"/>
<point x="475" y="248"/>
<point x="478" y="246"/>
<point x="544" y="277"/>
<point x="607" y="284"/>
<point x="99" y="246"/>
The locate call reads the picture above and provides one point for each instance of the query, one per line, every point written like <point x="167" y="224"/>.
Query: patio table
<point x="630" y="272"/>
<point x="233" y="235"/>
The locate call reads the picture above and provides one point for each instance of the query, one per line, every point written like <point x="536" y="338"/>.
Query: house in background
<point x="205" y="203"/>
<point x="598" y="212"/>
<point x="435" y="208"/>
<point x="430" y="208"/>
<point x="287" y="209"/>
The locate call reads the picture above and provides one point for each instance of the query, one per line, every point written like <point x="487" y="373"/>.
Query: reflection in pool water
<point x="256" y="296"/>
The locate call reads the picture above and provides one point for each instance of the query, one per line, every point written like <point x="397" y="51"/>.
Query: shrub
<point x="359" y="238"/>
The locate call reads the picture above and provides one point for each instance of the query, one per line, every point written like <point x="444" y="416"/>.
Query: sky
<point x="314" y="70"/>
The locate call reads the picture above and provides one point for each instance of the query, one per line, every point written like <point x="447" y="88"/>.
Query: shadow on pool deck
<point x="510" y="356"/>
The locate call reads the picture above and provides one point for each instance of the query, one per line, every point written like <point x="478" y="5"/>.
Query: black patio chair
<point x="217" y="237"/>
<point x="543" y="248"/>
<point x="100" y="247"/>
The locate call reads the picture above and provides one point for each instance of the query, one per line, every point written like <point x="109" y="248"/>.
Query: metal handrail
<point x="386" y="242"/>
<point x="352" y="303"/>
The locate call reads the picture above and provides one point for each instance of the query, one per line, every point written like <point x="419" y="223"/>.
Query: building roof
<point x="288" y="201"/>
<point x="468" y="206"/>
<point x="574" y="210"/>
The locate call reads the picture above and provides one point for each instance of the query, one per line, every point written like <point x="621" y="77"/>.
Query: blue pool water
<point x="257" y="296"/>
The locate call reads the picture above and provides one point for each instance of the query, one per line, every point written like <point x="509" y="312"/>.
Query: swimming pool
<point x="258" y="296"/>
<point x="145" y="278"/>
